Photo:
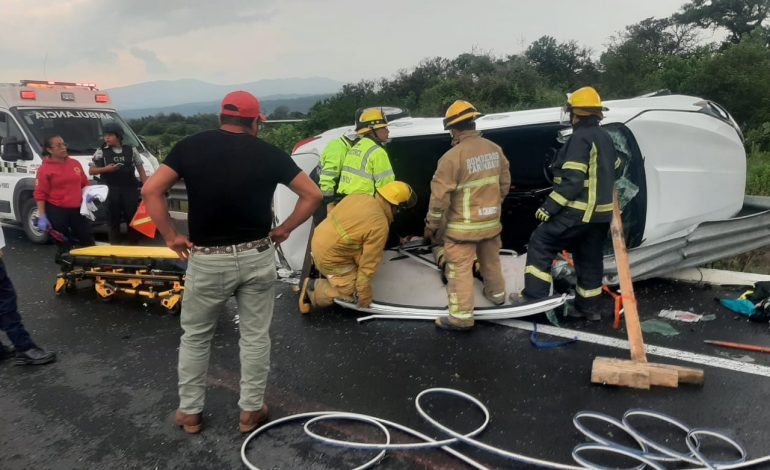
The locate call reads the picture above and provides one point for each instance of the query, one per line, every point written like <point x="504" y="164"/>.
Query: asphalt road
<point x="108" y="401"/>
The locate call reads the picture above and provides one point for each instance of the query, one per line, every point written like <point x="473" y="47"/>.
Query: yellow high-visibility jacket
<point x="353" y="237"/>
<point x="366" y="167"/>
<point x="467" y="190"/>
<point x="331" y="166"/>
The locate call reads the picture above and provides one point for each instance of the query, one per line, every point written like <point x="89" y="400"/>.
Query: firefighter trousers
<point x="584" y="241"/>
<point x="326" y="290"/>
<point x="459" y="273"/>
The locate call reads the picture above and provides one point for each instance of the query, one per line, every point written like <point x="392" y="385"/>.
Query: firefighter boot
<point x="455" y="324"/>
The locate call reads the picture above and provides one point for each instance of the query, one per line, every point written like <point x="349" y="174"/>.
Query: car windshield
<point x="81" y="129"/>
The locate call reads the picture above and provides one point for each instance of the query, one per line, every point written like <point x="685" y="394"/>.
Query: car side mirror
<point x="13" y="149"/>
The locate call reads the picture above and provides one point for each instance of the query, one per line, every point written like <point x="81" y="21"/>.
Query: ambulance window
<point x="8" y="128"/>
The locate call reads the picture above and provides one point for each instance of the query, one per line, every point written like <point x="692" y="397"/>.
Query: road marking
<point x="670" y="353"/>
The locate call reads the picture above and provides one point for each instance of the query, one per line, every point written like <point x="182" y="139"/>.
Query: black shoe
<point x="454" y="324"/>
<point x="34" y="357"/>
<point x="518" y="300"/>
<point x="590" y="316"/>
<point x="6" y="352"/>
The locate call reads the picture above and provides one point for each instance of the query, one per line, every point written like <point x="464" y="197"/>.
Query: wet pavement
<point x="107" y="402"/>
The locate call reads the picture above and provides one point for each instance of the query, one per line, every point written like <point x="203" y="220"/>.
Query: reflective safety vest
<point x="468" y="188"/>
<point x="584" y="175"/>
<point x="331" y="166"/>
<point x="366" y="167"/>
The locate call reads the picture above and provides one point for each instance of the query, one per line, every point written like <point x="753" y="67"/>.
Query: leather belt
<point x="260" y="245"/>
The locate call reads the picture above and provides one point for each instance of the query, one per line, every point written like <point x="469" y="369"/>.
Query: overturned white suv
<point x="682" y="191"/>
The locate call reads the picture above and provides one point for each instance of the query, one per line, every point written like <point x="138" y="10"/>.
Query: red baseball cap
<point x="242" y="104"/>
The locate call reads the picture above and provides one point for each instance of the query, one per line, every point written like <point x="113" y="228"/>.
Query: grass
<point x="758" y="173"/>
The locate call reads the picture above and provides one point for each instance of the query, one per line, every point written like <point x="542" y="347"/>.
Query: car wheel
<point x="29" y="215"/>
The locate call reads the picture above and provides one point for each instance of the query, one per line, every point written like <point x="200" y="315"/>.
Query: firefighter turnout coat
<point x="584" y="175"/>
<point x="468" y="188"/>
<point x="349" y="243"/>
<point x="366" y="167"/>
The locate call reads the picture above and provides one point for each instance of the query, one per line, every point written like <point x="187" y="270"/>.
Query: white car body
<point x="685" y="157"/>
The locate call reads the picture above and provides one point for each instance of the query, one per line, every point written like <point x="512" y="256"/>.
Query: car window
<point x="8" y="128"/>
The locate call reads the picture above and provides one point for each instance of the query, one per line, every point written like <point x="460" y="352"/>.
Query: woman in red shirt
<point x="59" y="192"/>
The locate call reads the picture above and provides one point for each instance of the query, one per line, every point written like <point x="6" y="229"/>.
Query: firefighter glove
<point x="42" y="223"/>
<point x="542" y="215"/>
<point x="364" y="295"/>
<point x="427" y="234"/>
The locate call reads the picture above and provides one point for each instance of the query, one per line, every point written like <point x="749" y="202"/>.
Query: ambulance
<point x="33" y="110"/>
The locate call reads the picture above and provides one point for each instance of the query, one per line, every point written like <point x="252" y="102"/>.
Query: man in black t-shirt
<point x="231" y="176"/>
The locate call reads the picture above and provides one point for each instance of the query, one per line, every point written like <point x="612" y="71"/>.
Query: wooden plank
<point x="624" y="373"/>
<point x="631" y="315"/>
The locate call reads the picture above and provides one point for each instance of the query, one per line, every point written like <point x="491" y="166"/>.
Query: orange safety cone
<point x="142" y="222"/>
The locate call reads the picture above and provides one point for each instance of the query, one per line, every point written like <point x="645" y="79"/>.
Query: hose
<point x="599" y="444"/>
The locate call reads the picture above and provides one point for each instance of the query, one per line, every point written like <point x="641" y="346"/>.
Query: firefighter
<point x="366" y="165"/>
<point x="330" y="166"/>
<point x="576" y="214"/>
<point x="347" y="246"/>
<point x="467" y="191"/>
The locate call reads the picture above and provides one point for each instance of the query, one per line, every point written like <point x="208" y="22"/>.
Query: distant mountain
<point x="301" y="104"/>
<point x="165" y="93"/>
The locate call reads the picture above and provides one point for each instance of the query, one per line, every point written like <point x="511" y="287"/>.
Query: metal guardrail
<point x="708" y="242"/>
<point x="177" y="197"/>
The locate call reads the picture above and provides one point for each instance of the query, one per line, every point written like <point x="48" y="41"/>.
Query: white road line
<point x="686" y="356"/>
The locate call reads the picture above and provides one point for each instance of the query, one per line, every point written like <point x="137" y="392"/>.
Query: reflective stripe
<point x="336" y="270"/>
<point x="435" y="214"/>
<point x="618" y="162"/>
<point x="592" y="183"/>
<point x="328" y="193"/>
<point x="575" y="166"/>
<point x="585" y="293"/>
<point x="461" y="314"/>
<point x="557" y="180"/>
<point x="558" y="198"/>
<point x="342" y="233"/>
<point x="605" y="207"/>
<point x="329" y="173"/>
<point x="382" y="175"/>
<point x="481" y="182"/>
<point x="473" y="226"/>
<point x="357" y="172"/>
<point x="542" y="275"/>
<point x="467" y="205"/>
<point x="365" y="160"/>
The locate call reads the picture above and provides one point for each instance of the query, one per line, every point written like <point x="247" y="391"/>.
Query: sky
<point x="121" y="42"/>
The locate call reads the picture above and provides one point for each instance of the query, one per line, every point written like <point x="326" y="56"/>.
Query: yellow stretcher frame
<point x="147" y="272"/>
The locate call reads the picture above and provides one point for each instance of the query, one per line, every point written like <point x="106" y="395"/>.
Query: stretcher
<point x="149" y="272"/>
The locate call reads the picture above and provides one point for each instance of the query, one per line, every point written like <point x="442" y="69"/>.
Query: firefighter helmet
<point x="585" y="102"/>
<point x="113" y="127"/>
<point x="370" y="120"/>
<point x="399" y="194"/>
<point x="459" y="111"/>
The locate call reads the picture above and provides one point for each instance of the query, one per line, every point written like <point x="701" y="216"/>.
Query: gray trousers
<point x="210" y="281"/>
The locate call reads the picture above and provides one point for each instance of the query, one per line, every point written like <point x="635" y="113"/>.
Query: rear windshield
<point x="81" y="129"/>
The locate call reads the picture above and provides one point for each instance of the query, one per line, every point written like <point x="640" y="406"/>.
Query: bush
<point x="758" y="173"/>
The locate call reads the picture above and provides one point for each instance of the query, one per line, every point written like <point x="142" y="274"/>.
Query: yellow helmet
<point x="459" y="111"/>
<point x="369" y="120"/>
<point x="399" y="194"/>
<point x="585" y="102"/>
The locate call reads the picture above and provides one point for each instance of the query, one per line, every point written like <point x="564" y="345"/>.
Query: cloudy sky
<point x="121" y="42"/>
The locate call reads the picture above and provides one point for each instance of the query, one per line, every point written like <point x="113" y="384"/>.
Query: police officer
<point x="576" y="214"/>
<point x="366" y="165"/>
<point x="467" y="191"/>
<point x="115" y="163"/>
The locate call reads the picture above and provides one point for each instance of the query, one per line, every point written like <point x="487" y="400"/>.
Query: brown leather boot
<point x="250" y="420"/>
<point x="456" y="324"/>
<point x="191" y="424"/>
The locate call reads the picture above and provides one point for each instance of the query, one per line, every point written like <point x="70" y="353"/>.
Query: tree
<point x="565" y="64"/>
<point x="739" y="17"/>
<point x="634" y="60"/>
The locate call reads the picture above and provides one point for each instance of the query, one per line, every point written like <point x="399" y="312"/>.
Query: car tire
<point x="28" y="215"/>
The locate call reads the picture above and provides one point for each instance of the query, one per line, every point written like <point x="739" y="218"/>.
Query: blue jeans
<point x="10" y="320"/>
<point x="210" y="281"/>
